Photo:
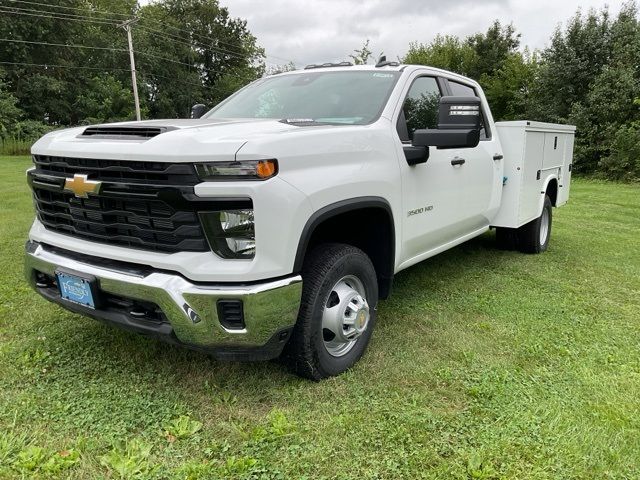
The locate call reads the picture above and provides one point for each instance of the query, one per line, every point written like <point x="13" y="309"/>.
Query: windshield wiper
<point x="300" y="121"/>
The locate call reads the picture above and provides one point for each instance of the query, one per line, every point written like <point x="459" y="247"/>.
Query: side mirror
<point x="458" y="125"/>
<point x="198" y="110"/>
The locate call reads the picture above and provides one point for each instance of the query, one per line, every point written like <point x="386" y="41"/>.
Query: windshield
<point x="343" y="97"/>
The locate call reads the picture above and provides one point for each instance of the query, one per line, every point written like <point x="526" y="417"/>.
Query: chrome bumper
<point x="270" y="308"/>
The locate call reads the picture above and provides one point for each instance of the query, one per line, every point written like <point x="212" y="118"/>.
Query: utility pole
<point x="127" y="26"/>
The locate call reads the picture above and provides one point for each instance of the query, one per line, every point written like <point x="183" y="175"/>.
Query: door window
<point x="460" y="90"/>
<point x="420" y="108"/>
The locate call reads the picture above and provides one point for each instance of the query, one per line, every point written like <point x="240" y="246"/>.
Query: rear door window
<point x="461" y="90"/>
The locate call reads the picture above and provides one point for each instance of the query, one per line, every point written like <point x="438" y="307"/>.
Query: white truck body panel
<point x="535" y="153"/>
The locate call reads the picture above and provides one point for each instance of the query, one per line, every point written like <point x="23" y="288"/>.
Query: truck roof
<point x="394" y="67"/>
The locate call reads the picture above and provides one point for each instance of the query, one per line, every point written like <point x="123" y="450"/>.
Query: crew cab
<point x="274" y="223"/>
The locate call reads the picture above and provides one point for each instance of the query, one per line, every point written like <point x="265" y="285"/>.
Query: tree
<point x="491" y="58"/>
<point x="446" y="52"/>
<point x="492" y="49"/>
<point x="362" y="56"/>
<point x="9" y="112"/>
<point x="275" y="69"/>
<point x="187" y="51"/>
<point x="570" y="65"/>
<point x="589" y="77"/>
<point x="508" y="88"/>
<point x="106" y="100"/>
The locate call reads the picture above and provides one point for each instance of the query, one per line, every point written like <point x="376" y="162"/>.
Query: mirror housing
<point x="458" y="125"/>
<point x="198" y="110"/>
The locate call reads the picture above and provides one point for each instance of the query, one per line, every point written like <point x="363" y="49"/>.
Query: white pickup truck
<point x="273" y="224"/>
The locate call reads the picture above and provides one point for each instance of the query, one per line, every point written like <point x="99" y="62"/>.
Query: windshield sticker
<point x="383" y="75"/>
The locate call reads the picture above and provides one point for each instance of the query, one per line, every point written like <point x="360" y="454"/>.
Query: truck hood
<point x="175" y="140"/>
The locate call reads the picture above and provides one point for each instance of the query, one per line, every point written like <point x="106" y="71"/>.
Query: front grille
<point x="145" y="205"/>
<point x="159" y="173"/>
<point x="151" y="225"/>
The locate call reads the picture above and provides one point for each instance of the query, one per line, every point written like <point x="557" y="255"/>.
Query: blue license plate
<point x="75" y="289"/>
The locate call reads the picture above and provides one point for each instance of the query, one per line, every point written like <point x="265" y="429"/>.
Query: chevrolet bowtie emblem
<point x="81" y="186"/>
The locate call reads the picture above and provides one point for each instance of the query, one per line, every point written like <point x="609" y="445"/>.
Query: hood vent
<point x="124" y="132"/>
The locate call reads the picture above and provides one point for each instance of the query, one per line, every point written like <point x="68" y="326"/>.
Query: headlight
<point x="231" y="233"/>
<point x="244" y="170"/>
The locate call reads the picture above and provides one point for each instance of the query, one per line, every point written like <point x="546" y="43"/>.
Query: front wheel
<point x="337" y="312"/>
<point x="534" y="236"/>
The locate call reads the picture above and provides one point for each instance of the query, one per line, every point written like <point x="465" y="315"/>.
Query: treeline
<point x="589" y="76"/>
<point x="67" y="62"/>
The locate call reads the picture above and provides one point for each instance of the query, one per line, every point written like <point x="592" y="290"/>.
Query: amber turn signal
<point x="266" y="169"/>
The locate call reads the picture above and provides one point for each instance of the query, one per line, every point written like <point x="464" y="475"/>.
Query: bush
<point x="623" y="162"/>
<point x="21" y="135"/>
<point x="15" y="146"/>
<point x="29" y="130"/>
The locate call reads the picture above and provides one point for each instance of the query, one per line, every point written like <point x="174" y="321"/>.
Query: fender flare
<point x="338" y="208"/>
<point x="551" y="177"/>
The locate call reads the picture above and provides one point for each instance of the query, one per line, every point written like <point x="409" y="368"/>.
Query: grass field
<point x="484" y="365"/>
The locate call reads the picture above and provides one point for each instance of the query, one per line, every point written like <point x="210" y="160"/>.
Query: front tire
<point x="337" y="311"/>
<point x="534" y="236"/>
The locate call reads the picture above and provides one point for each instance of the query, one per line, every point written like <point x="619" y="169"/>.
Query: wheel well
<point x="367" y="227"/>
<point x="552" y="191"/>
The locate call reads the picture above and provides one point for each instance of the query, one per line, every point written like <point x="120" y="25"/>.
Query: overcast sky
<point x="317" y="31"/>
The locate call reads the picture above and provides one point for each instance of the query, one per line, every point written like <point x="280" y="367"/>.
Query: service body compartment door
<point x="553" y="150"/>
<point x="530" y="181"/>
<point x="565" y="173"/>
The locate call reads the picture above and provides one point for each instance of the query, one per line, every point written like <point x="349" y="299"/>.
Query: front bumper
<point x="186" y="313"/>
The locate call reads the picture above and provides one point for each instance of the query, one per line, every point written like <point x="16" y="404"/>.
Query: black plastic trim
<point x="119" y="132"/>
<point x="338" y="208"/>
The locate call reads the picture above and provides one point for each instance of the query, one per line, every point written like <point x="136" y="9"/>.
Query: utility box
<point x="527" y="171"/>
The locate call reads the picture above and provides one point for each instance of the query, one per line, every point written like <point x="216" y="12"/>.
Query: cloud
<point x="315" y="31"/>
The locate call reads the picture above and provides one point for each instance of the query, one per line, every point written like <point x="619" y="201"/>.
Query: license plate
<point x="76" y="289"/>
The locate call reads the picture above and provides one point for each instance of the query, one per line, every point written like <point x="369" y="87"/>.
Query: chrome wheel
<point x="345" y="317"/>
<point x="544" y="226"/>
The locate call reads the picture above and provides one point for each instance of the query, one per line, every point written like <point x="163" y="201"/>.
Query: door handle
<point x="497" y="157"/>
<point x="458" y="161"/>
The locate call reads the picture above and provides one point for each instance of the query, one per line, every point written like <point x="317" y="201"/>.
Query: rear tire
<point x="507" y="238"/>
<point x="337" y="311"/>
<point x="534" y="236"/>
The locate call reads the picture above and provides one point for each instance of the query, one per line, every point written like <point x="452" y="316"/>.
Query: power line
<point x="234" y="52"/>
<point x="82" y="67"/>
<point x="88" y="19"/>
<point x="147" y="54"/>
<point x="114" y="20"/>
<point x="176" y="39"/>
<point x="12" y="40"/>
<point x="70" y="15"/>
<point x="173" y="79"/>
<point x="77" y="9"/>
<point x="169" y="78"/>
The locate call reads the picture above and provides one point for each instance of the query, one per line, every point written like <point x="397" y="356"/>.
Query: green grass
<point x="484" y="364"/>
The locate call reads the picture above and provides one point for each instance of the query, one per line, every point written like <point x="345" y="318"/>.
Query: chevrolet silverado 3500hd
<point x="273" y="224"/>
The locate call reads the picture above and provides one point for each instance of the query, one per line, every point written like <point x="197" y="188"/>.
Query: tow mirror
<point x="198" y="110"/>
<point x="458" y="125"/>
